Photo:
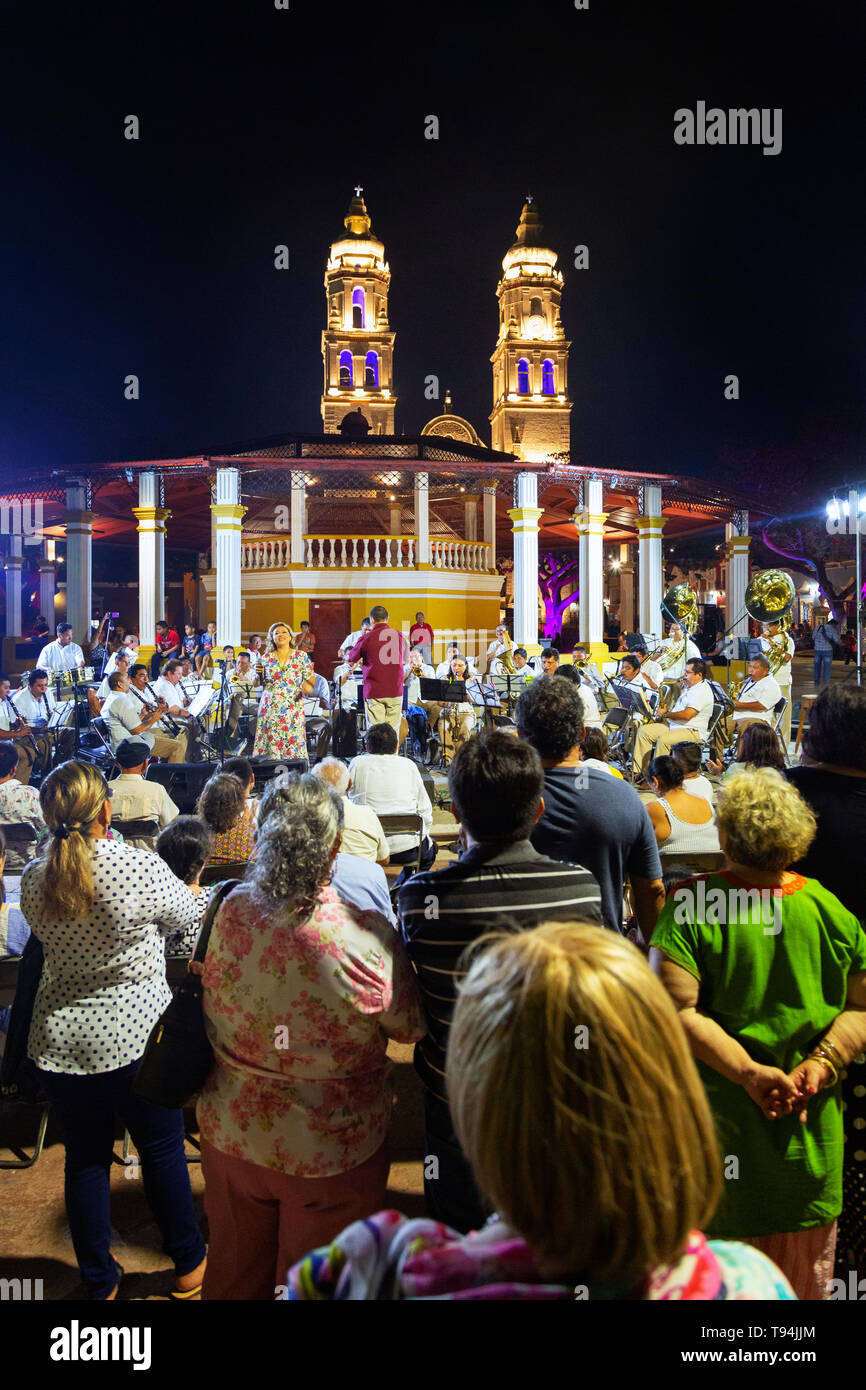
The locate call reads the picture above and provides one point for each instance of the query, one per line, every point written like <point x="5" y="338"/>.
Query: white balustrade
<point x="364" y="552"/>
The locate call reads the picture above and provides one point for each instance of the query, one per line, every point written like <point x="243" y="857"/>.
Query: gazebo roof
<point x="351" y="483"/>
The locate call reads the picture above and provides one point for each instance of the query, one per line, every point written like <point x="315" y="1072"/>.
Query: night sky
<point x="156" y="257"/>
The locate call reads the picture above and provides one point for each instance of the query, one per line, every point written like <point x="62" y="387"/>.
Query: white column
<point x="298" y="521"/>
<point x="650" y="573"/>
<point x="583" y="598"/>
<point x="47" y="585"/>
<point x="626" y="589"/>
<point x="470" y="518"/>
<point x="228" y="515"/>
<point x="395" y="518"/>
<point x="524" y="525"/>
<point x="422" y="519"/>
<point x="79" y="559"/>
<point x="14" y="566"/>
<point x="594" y="518"/>
<point x="490" y="521"/>
<point x="737" y="541"/>
<point x="151" y="518"/>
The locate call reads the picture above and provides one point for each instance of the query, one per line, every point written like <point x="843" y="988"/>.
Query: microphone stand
<point x="221" y="720"/>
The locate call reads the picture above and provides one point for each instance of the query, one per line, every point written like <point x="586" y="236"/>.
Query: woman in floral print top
<point x="288" y="676"/>
<point x="301" y="994"/>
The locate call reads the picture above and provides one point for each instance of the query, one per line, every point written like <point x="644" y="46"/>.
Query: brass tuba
<point x="680" y="605"/>
<point x="770" y="597"/>
<point x="505" y="658"/>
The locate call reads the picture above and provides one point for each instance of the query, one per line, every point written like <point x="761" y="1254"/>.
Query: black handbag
<point x="178" y="1057"/>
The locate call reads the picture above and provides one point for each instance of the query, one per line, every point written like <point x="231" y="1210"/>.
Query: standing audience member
<point x="496" y="785"/>
<point x="300" y="997"/>
<point x="99" y="909"/>
<point x="774" y="1012"/>
<point x="832" y="781"/>
<point x="392" y="786"/>
<point x="621" y="1119"/>
<point x="683" y="824"/>
<point x="230" y="818"/>
<point x="826" y="644"/>
<point x="589" y="818"/>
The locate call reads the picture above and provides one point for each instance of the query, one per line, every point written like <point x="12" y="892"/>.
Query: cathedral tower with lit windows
<point x="357" y="345"/>
<point x="531" y="408"/>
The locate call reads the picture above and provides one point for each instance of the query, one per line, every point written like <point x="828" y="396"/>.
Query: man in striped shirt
<point x="499" y="881"/>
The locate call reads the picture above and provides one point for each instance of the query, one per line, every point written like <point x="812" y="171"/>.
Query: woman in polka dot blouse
<point x="101" y="909"/>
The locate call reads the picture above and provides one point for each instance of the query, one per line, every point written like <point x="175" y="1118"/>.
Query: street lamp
<point x="847" y="518"/>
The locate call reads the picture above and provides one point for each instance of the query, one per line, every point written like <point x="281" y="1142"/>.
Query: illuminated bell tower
<point x="357" y="345"/>
<point x="531" y="408"/>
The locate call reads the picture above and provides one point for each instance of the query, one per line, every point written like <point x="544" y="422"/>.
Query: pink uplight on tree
<point x="554" y="571"/>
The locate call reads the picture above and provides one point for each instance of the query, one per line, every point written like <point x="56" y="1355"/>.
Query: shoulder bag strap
<point x="222" y="891"/>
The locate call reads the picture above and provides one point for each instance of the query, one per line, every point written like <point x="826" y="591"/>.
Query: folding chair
<point x="701" y="862"/>
<point x="142" y="828"/>
<point x="779" y="710"/>
<point x="218" y="873"/>
<point x="101" y="754"/>
<point x="21" y="839"/>
<point x="619" y="728"/>
<point x="408" y="823"/>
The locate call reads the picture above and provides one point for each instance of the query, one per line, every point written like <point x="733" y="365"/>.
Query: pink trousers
<point x="262" y="1222"/>
<point x="804" y="1257"/>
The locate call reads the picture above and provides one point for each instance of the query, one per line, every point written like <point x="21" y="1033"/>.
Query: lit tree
<point x="554" y="569"/>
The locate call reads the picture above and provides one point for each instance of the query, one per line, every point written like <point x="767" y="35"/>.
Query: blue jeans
<point x="86" y="1107"/>
<point x="823" y="666"/>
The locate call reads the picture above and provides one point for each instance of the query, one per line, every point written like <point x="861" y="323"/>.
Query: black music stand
<point x="441" y="693"/>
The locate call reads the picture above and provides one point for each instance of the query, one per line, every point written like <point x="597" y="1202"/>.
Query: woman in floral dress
<point x="288" y="676"/>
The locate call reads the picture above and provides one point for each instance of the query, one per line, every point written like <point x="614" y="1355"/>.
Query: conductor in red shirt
<point x="383" y="653"/>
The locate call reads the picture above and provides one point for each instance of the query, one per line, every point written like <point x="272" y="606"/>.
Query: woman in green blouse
<point x="768" y="972"/>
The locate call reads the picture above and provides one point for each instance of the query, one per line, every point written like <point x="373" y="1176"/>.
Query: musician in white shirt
<point x="125" y="716"/>
<point x="34" y="701"/>
<point x="774" y="639"/>
<point x="62" y="655"/>
<point x="130" y="646"/>
<point x="22" y="739"/>
<point x="444" y="671"/>
<point x="457" y="719"/>
<point x="346" y="686"/>
<point x="501" y="643"/>
<point x="755" y="705"/>
<point x="168" y="687"/>
<point x="121" y="666"/>
<point x="245" y="674"/>
<point x="759" y="695"/>
<point x="353" y="638"/>
<point x="651" y="674"/>
<point x="687" y="721"/>
<point x="416" y="670"/>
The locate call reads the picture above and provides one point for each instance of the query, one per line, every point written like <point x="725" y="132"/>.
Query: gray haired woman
<point x="301" y="994"/>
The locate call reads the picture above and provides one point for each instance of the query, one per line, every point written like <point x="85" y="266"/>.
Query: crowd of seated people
<point x="727" y="1011"/>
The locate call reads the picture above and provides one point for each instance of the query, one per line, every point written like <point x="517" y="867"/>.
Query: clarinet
<point x="170" y="723"/>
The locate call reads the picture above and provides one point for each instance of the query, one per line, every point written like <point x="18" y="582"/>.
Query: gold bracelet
<point x="834" y="1052"/>
<point x="816" y="1057"/>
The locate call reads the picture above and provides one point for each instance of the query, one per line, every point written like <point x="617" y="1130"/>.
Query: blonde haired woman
<point x="602" y="1176"/>
<point x="288" y="676"/>
<point x="768" y="972"/>
<point x="100" y="909"/>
